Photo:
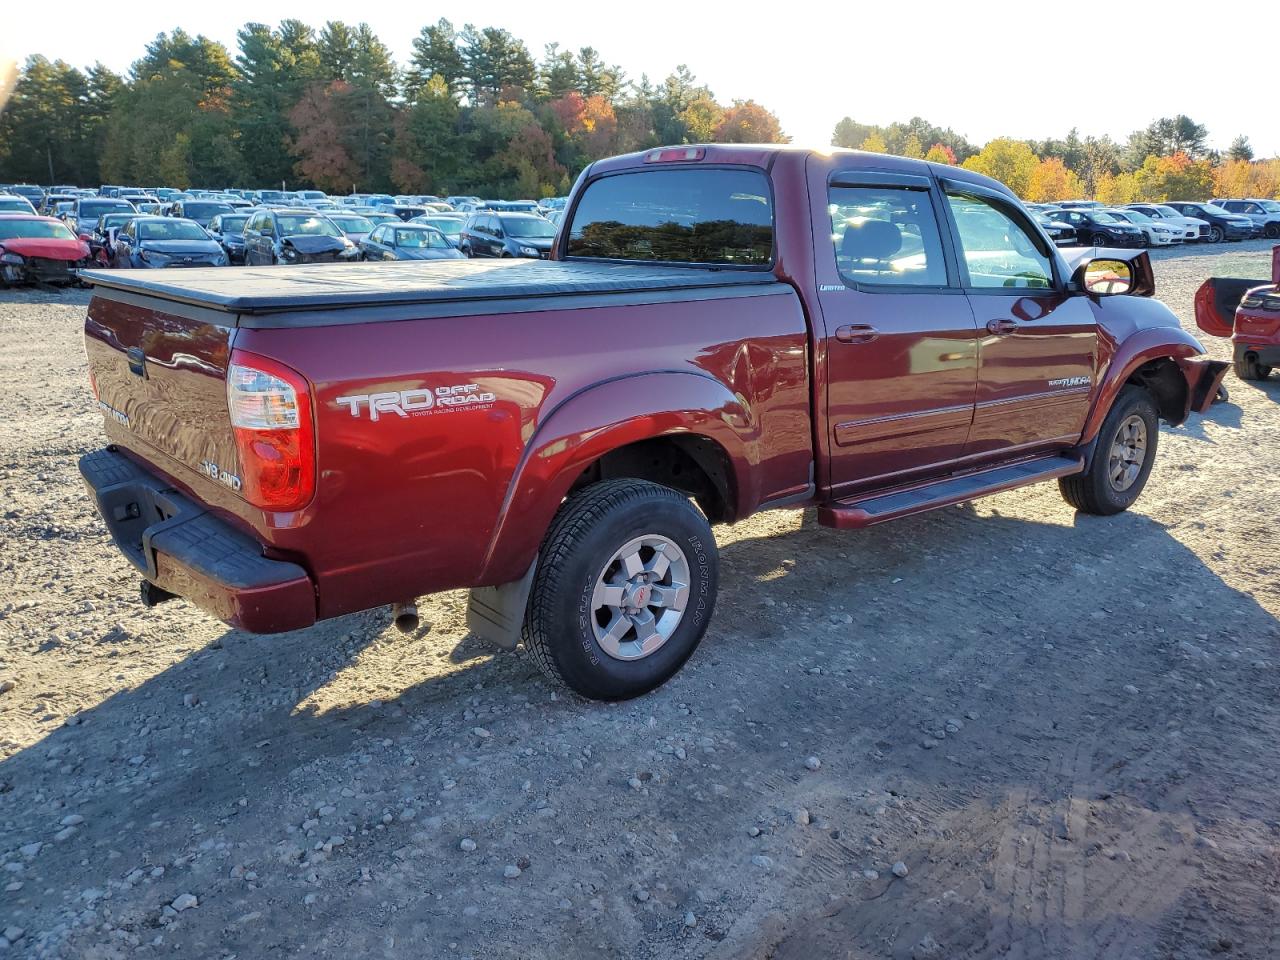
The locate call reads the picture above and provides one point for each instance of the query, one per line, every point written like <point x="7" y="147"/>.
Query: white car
<point x="1193" y="228"/>
<point x="1159" y="233"/>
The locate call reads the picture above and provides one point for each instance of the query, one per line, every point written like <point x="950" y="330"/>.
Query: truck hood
<point x="47" y="248"/>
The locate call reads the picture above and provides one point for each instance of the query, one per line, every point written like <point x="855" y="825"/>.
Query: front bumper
<point x="42" y="270"/>
<point x="182" y="548"/>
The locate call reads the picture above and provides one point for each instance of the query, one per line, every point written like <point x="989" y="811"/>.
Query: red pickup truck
<point x="718" y="330"/>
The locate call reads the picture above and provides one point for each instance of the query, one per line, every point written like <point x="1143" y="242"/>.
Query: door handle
<point x="1001" y="326"/>
<point x="856" y="333"/>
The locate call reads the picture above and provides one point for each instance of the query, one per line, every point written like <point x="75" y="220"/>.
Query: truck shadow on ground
<point x="1000" y="606"/>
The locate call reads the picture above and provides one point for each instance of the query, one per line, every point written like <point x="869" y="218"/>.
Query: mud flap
<point x="496" y="614"/>
<point x="1204" y="378"/>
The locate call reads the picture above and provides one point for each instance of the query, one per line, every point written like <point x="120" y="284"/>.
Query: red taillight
<point x="270" y="408"/>
<point x="674" y="153"/>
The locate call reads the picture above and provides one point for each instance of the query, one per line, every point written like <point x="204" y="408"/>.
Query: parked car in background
<point x="86" y="213"/>
<point x="506" y="235"/>
<point x="201" y="211"/>
<point x="510" y="206"/>
<point x="1080" y="204"/>
<point x="102" y="240"/>
<point x="1100" y="229"/>
<point x="1222" y="225"/>
<point x="457" y="200"/>
<point x="312" y="196"/>
<point x="35" y="249"/>
<point x="49" y="203"/>
<point x="1193" y="228"/>
<point x="407" y="241"/>
<point x="12" y="203"/>
<point x="1264" y="213"/>
<point x="228" y="230"/>
<point x="406" y="211"/>
<point x="449" y="225"/>
<point x="1059" y="231"/>
<point x="153" y="242"/>
<point x="354" y="226"/>
<point x="1157" y="232"/>
<point x="31" y="193"/>
<point x="289" y="235"/>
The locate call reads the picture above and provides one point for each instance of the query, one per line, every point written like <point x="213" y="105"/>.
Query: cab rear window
<point x="708" y="216"/>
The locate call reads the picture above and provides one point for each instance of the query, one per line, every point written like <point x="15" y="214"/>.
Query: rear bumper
<point x="179" y="546"/>
<point x="1268" y="354"/>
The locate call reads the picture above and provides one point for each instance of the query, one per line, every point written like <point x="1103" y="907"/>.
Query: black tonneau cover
<point x="261" y="296"/>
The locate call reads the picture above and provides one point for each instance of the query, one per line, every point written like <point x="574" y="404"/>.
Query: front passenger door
<point x="1037" y="347"/>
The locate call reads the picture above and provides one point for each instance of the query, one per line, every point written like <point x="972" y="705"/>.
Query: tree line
<point x="472" y="112"/>
<point x="1169" y="159"/>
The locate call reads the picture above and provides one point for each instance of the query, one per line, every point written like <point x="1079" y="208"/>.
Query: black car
<point x="293" y="235"/>
<point x="507" y="235"/>
<point x="201" y="211"/>
<point x="405" y="211"/>
<point x="228" y="230"/>
<point x="1062" y="233"/>
<point x="1100" y="229"/>
<point x="1222" y="225"/>
<point x="166" y="242"/>
<point x="407" y="241"/>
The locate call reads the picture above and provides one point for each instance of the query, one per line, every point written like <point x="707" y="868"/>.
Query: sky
<point x="1028" y="70"/>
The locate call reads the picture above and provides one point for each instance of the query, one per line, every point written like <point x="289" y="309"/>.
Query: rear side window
<point x="681" y="216"/>
<point x="886" y="237"/>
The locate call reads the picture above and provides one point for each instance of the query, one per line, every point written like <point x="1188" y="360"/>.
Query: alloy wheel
<point x="640" y="597"/>
<point x="1128" y="453"/>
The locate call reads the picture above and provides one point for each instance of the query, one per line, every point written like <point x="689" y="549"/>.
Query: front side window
<point x="998" y="251"/>
<point x="712" y="216"/>
<point x="886" y="236"/>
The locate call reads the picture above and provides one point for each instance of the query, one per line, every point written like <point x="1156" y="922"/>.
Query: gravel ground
<point x="999" y="730"/>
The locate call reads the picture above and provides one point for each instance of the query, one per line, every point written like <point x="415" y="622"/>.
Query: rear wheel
<point x="1098" y="239"/>
<point x="1247" y="367"/>
<point x="1122" y="459"/>
<point x="624" y="590"/>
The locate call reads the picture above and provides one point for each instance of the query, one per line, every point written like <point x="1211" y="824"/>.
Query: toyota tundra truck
<point x="718" y="330"/>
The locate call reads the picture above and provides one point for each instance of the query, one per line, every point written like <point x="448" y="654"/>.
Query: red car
<point x="40" y="250"/>
<point x="1247" y="311"/>
<point x="719" y="330"/>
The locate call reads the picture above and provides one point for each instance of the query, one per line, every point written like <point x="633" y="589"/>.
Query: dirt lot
<point x="1066" y="729"/>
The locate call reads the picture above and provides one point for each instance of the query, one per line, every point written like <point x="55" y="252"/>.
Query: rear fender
<point x="1144" y="346"/>
<point x="603" y="418"/>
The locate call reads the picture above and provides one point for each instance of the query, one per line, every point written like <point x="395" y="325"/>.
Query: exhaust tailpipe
<point x="405" y="616"/>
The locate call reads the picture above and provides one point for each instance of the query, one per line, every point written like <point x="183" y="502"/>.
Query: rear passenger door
<point x="900" y="338"/>
<point x="1037" y="347"/>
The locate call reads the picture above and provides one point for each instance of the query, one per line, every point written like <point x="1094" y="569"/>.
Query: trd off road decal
<point x="414" y="403"/>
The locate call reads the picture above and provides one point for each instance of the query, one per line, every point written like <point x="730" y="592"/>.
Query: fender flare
<point x="605" y="417"/>
<point x="1150" y="343"/>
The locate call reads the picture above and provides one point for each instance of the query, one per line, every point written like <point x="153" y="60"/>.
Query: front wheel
<point x="1216" y="235"/>
<point x="1122" y="459"/>
<point x="624" y="590"/>
<point x="1098" y="239"/>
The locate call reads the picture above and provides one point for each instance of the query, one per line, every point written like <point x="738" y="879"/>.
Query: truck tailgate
<point x="161" y="381"/>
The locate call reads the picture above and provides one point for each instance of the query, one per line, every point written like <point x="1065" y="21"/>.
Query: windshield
<point x="1133" y="216"/>
<point x="531" y="228"/>
<point x="173" y="230"/>
<point x="421" y="237"/>
<point x="1215" y="210"/>
<point x="206" y="210"/>
<point x="297" y="225"/>
<point x="1269" y="205"/>
<point x="34" y="230"/>
<point x="96" y="208"/>
<point x="15" y="203"/>
<point x="1105" y="218"/>
<point x="114" y="220"/>
<point x="232" y="224"/>
<point x="1167" y="211"/>
<point x="449" y="226"/>
<point x="353" y="224"/>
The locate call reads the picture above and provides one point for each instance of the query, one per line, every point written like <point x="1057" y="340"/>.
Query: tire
<point x="1216" y="235"/>
<point x="567" y="615"/>
<point x="1272" y="231"/>
<point x="1098" y="239"/>
<point x="1095" y="491"/>
<point x="1247" y="367"/>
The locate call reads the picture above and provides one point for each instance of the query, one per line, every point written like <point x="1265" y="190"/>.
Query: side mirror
<point x="85" y="238"/>
<point x="1106" y="278"/>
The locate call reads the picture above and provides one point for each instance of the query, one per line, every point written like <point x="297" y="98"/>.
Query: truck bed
<point x="274" y="297"/>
